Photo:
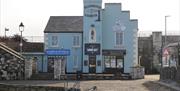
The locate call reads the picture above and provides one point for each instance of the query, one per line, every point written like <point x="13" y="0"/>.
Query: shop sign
<point x="114" y="52"/>
<point x="92" y="49"/>
<point x="92" y="10"/>
<point x="57" y="52"/>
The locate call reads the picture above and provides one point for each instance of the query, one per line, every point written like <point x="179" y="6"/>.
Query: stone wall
<point x="28" y="69"/>
<point x="11" y="68"/>
<point x="6" y="87"/>
<point x="178" y="74"/>
<point x="59" y="68"/>
<point x="170" y="73"/>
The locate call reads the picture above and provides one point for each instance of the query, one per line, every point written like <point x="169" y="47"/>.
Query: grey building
<point x="150" y="50"/>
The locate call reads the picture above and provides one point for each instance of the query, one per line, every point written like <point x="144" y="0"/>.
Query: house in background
<point x="100" y="41"/>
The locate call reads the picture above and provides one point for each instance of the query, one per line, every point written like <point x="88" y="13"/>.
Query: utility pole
<point x="165" y="37"/>
<point x="6" y="29"/>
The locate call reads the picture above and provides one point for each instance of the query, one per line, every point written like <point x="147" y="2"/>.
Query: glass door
<point x="92" y="64"/>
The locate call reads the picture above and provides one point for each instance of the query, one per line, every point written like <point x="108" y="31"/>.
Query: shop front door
<point x="92" y="64"/>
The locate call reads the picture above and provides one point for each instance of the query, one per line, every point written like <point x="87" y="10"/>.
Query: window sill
<point x="54" y="46"/>
<point x="118" y="46"/>
<point x="76" y="46"/>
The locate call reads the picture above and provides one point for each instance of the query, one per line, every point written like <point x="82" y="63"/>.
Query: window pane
<point x="113" y="63"/>
<point x="119" y="38"/>
<point x="119" y="63"/>
<point x="76" y="41"/>
<point x="107" y="61"/>
<point x="54" y="40"/>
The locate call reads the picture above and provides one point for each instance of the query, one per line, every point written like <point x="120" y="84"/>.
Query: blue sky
<point x="35" y="14"/>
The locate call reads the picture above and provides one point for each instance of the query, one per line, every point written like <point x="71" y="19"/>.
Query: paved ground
<point x="125" y="85"/>
<point x="104" y="85"/>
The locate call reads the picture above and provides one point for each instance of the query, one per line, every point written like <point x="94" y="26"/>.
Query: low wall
<point x="170" y="73"/>
<point x="12" y="69"/>
<point x="5" y="87"/>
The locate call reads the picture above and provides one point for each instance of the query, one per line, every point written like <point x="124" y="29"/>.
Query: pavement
<point x="149" y="83"/>
<point x="169" y="84"/>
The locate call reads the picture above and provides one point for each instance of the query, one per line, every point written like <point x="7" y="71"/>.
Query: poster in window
<point x="113" y="63"/>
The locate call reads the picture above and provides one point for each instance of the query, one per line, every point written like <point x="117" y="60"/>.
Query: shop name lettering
<point x="92" y="10"/>
<point x="61" y="52"/>
<point x="92" y="49"/>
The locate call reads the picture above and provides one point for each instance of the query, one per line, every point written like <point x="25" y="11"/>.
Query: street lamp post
<point x="6" y="29"/>
<point x="165" y="37"/>
<point x="21" y="29"/>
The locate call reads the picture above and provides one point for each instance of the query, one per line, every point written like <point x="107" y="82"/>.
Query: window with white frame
<point x="119" y="38"/>
<point x="75" y="60"/>
<point x="54" y="40"/>
<point x="76" y="41"/>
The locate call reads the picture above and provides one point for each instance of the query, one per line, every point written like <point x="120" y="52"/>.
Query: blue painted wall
<point x="87" y="25"/>
<point x="40" y="59"/>
<point x="113" y="16"/>
<point x="65" y="41"/>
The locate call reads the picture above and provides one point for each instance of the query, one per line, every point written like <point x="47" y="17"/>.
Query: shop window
<point x="107" y="62"/>
<point x="85" y="63"/>
<point x="76" y="41"/>
<point x="112" y="62"/>
<point x="119" y="63"/>
<point x="119" y="38"/>
<point x="54" y="41"/>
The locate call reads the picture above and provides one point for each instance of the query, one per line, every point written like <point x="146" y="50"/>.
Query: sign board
<point x="166" y="52"/>
<point x="114" y="52"/>
<point x="57" y="52"/>
<point x="92" y="49"/>
<point x="92" y="10"/>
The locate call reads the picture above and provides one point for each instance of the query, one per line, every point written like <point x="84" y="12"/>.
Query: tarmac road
<point x="125" y="85"/>
<point x="146" y="84"/>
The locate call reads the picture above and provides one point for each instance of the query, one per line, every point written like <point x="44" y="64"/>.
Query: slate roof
<point x="64" y="24"/>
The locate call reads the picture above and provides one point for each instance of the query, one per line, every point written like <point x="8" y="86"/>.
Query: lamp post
<point x="21" y="29"/>
<point x="6" y="29"/>
<point x="165" y="38"/>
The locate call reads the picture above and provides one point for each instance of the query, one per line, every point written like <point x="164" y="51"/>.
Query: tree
<point x="17" y="38"/>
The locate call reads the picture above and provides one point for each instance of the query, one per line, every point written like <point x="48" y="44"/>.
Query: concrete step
<point x="42" y="76"/>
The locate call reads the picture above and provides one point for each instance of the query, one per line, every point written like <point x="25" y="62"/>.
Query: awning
<point x="57" y="52"/>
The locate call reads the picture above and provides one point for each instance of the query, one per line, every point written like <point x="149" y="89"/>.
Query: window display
<point x="113" y="62"/>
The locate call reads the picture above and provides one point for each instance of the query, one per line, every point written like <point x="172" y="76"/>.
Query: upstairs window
<point x="119" y="38"/>
<point x="54" y="41"/>
<point x="92" y="35"/>
<point x="76" y="41"/>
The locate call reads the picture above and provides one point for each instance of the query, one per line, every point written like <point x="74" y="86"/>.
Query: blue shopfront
<point x="53" y="55"/>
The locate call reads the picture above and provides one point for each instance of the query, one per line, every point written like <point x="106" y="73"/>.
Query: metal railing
<point x="11" y="51"/>
<point x="34" y="38"/>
